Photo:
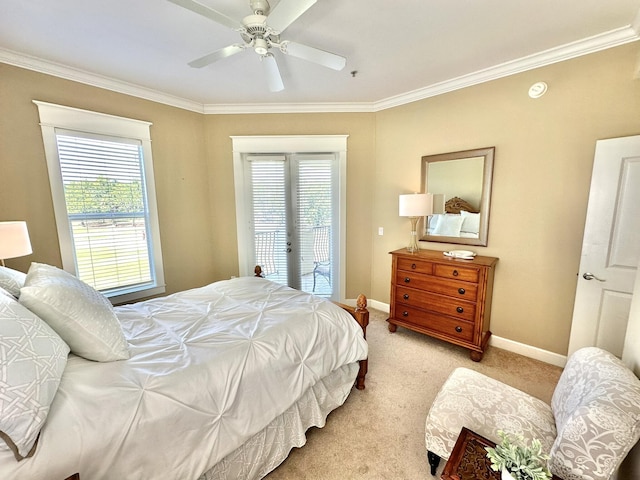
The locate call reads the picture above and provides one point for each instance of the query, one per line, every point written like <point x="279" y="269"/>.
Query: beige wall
<point x="179" y="165"/>
<point x="542" y="171"/>
<point x="544" y="154"/>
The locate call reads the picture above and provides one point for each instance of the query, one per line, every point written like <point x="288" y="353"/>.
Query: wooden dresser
<point x="446" y="298"/>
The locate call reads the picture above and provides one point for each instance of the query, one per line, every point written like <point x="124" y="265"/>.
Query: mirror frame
<point x="485" y="199"/>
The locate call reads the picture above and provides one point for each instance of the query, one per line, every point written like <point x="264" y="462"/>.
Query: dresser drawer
<point x="459" y="329"/>
<point x="450" y="288"/>
<point x="456" y="272"/>
<point x="414" y="280"/>
<point x="414" y="265"/>
<point x="435" y="303"/>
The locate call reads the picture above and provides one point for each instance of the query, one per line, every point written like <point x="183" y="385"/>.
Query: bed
<point x="461" y="219"/>
<point x="220" y="381"/>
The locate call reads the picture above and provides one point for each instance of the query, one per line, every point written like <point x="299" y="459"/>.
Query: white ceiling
<point x="402" y="50"/>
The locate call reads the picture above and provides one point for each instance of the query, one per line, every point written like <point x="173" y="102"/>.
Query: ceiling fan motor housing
<point x="258" y="34"/>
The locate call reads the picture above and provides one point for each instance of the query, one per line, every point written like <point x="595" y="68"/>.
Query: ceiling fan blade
<point x="273" y="73"/>
<point x="217" y="55"/>
<point x="286" y="12"/>
<point x="315" y="55"/>
<point x="208" y="12"/>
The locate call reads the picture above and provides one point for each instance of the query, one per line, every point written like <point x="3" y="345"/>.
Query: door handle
<point x="591" y="276"/>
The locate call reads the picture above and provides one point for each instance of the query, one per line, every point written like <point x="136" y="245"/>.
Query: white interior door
<point x="610" y="248"/>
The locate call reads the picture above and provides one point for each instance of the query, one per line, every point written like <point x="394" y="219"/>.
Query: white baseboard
<point x="528" y="351"/>
<point x="383" y="307"/>
<point x="504" y="343"/>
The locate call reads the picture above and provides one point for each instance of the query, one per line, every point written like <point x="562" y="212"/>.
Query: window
<point x="101" y="176"/>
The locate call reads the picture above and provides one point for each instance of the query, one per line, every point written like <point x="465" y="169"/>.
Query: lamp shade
<point x="14" y="240"/>
<point x="416" y="205"/>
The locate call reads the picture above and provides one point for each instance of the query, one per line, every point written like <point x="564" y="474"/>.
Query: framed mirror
<point x="461" y="186"/>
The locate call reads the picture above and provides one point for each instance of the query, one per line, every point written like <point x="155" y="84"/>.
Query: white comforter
<point x="209" y="368"/>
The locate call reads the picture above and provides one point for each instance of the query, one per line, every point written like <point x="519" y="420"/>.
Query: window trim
<point x="54" y="117"/>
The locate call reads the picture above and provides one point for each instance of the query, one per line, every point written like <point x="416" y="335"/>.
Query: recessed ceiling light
<point x="537" y="90"/>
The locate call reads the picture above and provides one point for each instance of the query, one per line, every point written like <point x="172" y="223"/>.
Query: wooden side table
<point x="468" y="460"/>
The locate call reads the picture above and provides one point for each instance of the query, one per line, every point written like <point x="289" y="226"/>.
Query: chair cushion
<point x="485" y="405"/>
<point x="597" y="409"/>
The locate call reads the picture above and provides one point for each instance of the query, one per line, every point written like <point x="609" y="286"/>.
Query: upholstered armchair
<point x="592" y="423"/>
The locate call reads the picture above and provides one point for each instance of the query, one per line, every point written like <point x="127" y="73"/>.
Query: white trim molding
<point x="499" y="342"/>
<point x="87" y="78"/>
<point x="582" y="47"/>
<point x="613" y="38"/>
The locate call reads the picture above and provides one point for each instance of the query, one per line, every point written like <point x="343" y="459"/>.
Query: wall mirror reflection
<point x="461" y="186"/>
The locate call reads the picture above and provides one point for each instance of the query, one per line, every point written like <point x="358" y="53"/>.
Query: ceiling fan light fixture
<point x="260" y="46"/>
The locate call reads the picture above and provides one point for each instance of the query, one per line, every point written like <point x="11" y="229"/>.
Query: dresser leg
<point x="434" y="461"/>
<point x="392" y="327"/>
<point x="476" y="356"/>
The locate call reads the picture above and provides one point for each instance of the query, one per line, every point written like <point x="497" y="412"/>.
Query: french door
<point x="291" y="211"/>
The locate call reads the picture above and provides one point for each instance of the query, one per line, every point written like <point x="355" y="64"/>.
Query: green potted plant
<point x="517" y="460"/>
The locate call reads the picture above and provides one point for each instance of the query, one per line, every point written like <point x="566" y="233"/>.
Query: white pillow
<point x="433" y="222"/>
<point x="32" y="360"/>
<point x="449" y="226"/>
<point x="11" y="280"/>
<point x="81" y="315"/>
<point x="471" y="222"/>
<point x="6" y="294"/>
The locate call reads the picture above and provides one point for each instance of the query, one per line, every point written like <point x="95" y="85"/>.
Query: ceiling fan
<point x="261" y="32"/>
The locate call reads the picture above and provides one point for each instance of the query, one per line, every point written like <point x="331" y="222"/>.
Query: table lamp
<point x="415" y="206"/>
<point x="14" y="240"/>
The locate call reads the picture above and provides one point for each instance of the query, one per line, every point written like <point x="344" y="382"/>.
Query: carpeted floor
<point x="379" y="432"/>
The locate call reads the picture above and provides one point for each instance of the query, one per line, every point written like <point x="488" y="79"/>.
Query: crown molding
<point x="327" y="107"/>
<point x="69" y="73"/>
<point x="586" y="46"/>
<point x="582" y="47"/>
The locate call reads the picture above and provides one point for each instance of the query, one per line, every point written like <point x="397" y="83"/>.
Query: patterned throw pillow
<point x="11" y="280"/>
<point x="32" y="359"/>
<point x="81" y="315"/>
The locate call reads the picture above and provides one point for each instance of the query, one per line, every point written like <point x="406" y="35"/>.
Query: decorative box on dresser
<point x="444" y="297"/>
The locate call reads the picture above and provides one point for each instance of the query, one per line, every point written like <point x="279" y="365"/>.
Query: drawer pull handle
<point x="455" y="273"/>
<point x="413" y="266"/>
<point x="406" y="296"/>
<point x="461" y="291"/>
<point x="407" y="279"/>
<point x="405" y="314"/>
<point x="458" y="329"/>
<point x="459" y="309"/>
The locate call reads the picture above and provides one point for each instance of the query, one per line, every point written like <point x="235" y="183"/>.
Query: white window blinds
<point x="102" y="185"/>
<point x="269" y="212"/>
<point x="106" y="203"/>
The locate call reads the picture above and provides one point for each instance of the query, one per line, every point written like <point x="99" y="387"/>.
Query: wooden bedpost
<point x="258" y="271"/>
<point x="361" y="315"/>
